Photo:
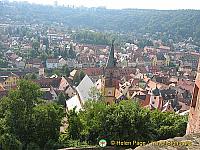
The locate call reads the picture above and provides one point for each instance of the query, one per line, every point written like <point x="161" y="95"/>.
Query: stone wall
<point x="188" y="142"/>
<point x="90" y="148"/>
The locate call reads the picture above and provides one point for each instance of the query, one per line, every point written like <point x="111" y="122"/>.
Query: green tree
<point x="123" y="121"/>
<point x="66" y="70"/>
<point x="95" y="94"/>
<point x="167" y="125"/>
<point x="76" y="80"/>
<point x="47" y="121"/>
<point x="28" y="118"/>
<point x="19" y="116"/>
<point x="36" y="45"/>
<point x="75" y="125"/>
<point x="62" y="99"/>
<point x="46" y="43"/>
<point x="143" y="42"/>
<point x="57" y="72"/>
<point x="30" y="76"/>
<point x="33" y="146"/>
<point x="9" y="142"/>
<point x="81" y="75"/>
<point x="72" y="53"/>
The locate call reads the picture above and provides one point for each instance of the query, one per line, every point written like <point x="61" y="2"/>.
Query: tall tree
<point x="19" y="118"/>
<point x="28" y="118"/>
<point x="66" y="70"/>
<point x="72" y="53"/>
<point x="81" y="75"/>
<point x="36" y="45"/>
<point x="62" y="99"/>
<point x="47" y="121"/>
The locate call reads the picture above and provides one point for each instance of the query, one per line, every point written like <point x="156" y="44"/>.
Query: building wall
<point x="10" y="82"/>
<point x="52" y="65"/>
<point x="29" y="66"/>
<point x="194" y="115"/>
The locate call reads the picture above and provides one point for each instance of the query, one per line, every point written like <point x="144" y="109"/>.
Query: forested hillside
<point x="174" y="23"/>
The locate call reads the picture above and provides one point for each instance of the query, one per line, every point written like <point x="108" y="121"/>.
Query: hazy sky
<point x="146" y="4"/>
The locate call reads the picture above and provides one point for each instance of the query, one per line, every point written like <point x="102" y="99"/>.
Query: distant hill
<point x="178" y="23"/>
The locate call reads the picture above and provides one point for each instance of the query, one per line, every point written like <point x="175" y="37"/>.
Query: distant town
<point x="73" y="66"/>
<point x="159" y="76"/>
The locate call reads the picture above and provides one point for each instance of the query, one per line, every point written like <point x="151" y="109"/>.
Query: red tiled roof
<point x="145" y="102"/>
<point x="48" y="82"/>
<point x="187" y="85"/>
<point x="34" y="61"/>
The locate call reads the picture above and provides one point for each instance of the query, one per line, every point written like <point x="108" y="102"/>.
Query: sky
<point x="119" y="4"/>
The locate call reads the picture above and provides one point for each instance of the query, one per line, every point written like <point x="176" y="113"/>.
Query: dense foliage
<point x="78" y="78"/>
<point x="170" y="23"/>
<point x="97" y="38"/>
<point x="125" y="121"/>
<point x="26" y="121"/>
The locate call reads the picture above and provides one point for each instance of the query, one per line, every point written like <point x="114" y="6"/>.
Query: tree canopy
<point x="26" y="119"/>
<point x="174" y="24"/>
<point x="126" y="121"/>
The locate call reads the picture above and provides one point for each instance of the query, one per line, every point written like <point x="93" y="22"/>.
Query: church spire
<point x="111" y="60"/>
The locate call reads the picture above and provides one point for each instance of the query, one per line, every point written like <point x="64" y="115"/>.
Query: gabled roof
<point x="156" y="92"/>
<point x="84" y="88"/>
<point x="48" y="82"/>
<point x="4" y="77"/>
<point x="73" y="102"/>
<point x="168" y="93"/>
<point x="73" y="72"/>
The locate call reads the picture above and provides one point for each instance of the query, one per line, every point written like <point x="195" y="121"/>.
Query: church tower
<point x="194" y="114"/>
<point x="110" y="79"/>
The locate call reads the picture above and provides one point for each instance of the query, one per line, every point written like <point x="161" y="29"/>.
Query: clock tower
<point x="110" y="80"/>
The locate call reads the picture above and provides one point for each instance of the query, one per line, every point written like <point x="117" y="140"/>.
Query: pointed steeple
<point x="111" y="60"/>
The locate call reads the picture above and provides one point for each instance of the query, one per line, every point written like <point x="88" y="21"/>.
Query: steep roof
<point x="84" y="87"/>
<point x="73" y="102"/>
<point x="156" y="92"/>
<point x="47" y="82"/>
